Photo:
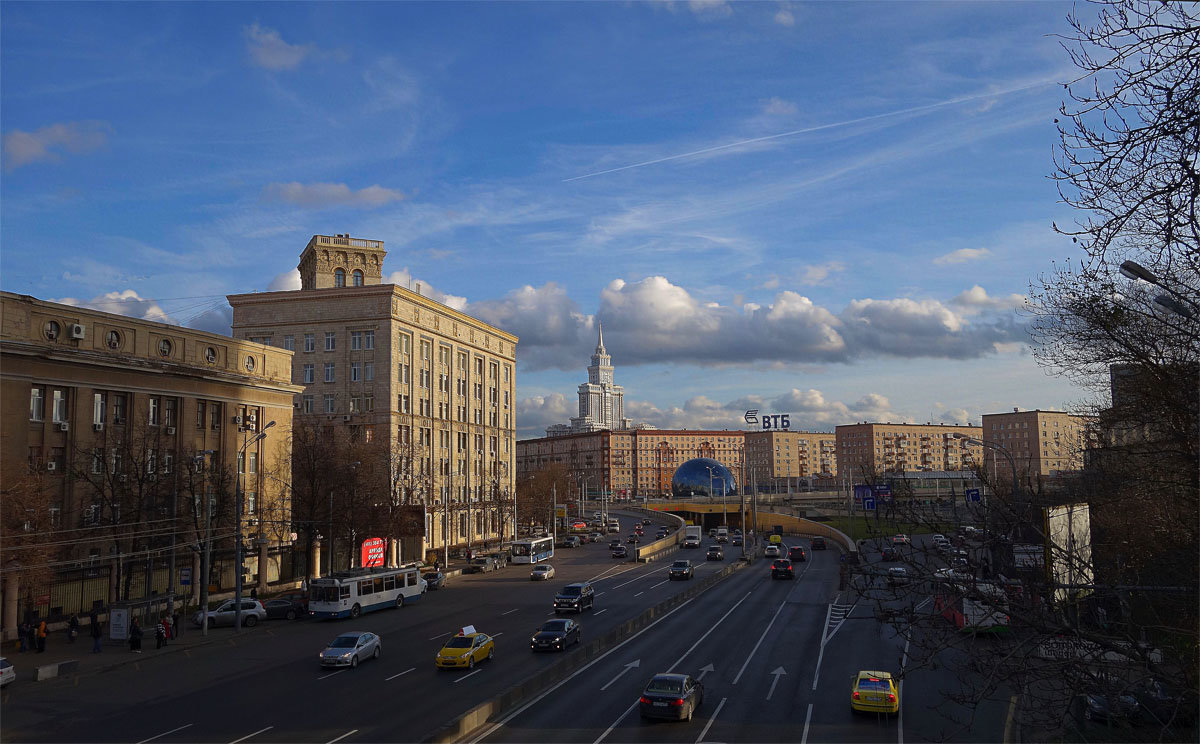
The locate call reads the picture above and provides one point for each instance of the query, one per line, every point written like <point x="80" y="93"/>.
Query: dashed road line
<point x="156" y="736"/>
<point x="708" y="725"/>
<point x="343" y="736"/>
<point x="247" y="736"/>
<point x="401" y="674"/>
<point x="468" y="674"/>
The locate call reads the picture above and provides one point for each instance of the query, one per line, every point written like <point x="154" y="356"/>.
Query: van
<point x="723" y="534"/>
<point x="776" y="539"/>
<point x="614" y="526"/>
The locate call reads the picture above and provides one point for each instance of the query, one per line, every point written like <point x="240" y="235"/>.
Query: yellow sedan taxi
<point x="874" y="692"/>
<point x="465" y="648"/>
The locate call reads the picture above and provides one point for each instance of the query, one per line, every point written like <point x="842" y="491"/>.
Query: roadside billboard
<point x="1068" y="531"/>
<point x="372" y="552"/>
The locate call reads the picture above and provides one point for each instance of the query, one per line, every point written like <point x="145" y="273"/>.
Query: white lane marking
<point x="707" y="633"/>
<point x="575" y="674"/>
<point x="597" y="612"/>
<point x="779" y="672"/>
<point x="497" y="635"/>
<point x="468" y="674"/>
<point x="760" y="640"/>
<point x="639" y="594"/>
<point x="660" y="583"/>
<point x="502" y="614"/>
<point x="401" y="674"/>
<point x="900" y="692"/>
<point x="821" y="655"/>
<point x="440" y="635"/>
<point x="708" y="725"/>
<point x="247" y="736"/>
<point x="635" y="578"/>
<point x="923" y="603"/>
<point x="599" y="594"/>
<point x="327" y="676"/>
<point x="631" y="665"/>
<point x="608" y="730"/>
<point x="807" y="718"/>
<point x="156" y="736"/>
<point x="343" y="736"/>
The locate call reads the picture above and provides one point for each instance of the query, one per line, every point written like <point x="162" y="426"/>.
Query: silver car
<point x="350" y="648"/>
<point x="252" y="612"/>
<point x="542" y="572"/>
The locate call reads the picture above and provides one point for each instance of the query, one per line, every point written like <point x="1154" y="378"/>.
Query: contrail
<point x="794" y="132"/>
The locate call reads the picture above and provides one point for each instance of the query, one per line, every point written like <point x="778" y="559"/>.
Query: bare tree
<point x="28" y="532"/>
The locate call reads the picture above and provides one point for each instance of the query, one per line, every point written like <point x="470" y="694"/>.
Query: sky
<point x="831" y="210"/>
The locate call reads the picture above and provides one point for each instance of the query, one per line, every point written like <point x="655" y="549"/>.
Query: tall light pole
<point x="1135" y="271"/>
<point x="205" y="556"/>
<point x="240" y="548"/>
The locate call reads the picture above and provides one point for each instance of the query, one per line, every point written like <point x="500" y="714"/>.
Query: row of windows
<point x="160" y="410"/>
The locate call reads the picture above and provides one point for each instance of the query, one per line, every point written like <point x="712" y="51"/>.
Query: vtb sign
<point x="769" y="421"/>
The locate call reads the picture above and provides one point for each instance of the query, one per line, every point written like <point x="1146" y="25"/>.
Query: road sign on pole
<point x="868" y="503"/>
<point x="973" y="494"/>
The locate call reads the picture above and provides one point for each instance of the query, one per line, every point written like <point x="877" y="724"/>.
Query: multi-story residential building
<point x="1040" y="442"/>
<point x="868" y="449"/>
<point x="631" y="463"/>
<point x="434" y="384"/>
<point x="777" y="460"/>
<point x="601" y="400"/>
<point x="123" y="428"/>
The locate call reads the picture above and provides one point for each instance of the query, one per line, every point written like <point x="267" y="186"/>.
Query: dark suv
<point x="818" y="543"/>
<point x="680" y="570"/>
<point x="574" y="598"/>
<point x="797" y="554"/>
<point x="782" y="569"/>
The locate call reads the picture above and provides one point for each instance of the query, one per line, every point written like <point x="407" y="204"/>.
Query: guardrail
<point x="801" y="526"/>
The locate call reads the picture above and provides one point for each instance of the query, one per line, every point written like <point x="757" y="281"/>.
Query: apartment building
<point x="1040" y="442"/>
<point x="631" y="463"/>
<point x="778" y="460"/>
<point x="437" y="385"/>
<point x="876" y="448"/>
<point x="123" y="428"/>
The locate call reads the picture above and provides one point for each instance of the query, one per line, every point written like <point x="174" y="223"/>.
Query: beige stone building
<point x="1041" y="442"/>
<point x="396" y="366"/>
<point x="875" y="449"/>
<point x="778" y="460"/>
<point x="631" y="463"/>
<point x="119" y="430"/>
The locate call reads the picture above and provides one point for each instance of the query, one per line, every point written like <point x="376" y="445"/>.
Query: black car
<point x="889" y="554"/>
<point x="614" y="545"/>
<point x="435" y="579"/>
<point x="620" y="552"/>
<point x="555" y="635"/>
<point x="818" y="543"/>
<point x="796" y="554"/>
<point x="673" y="696"/>
<point x="632" y="539"/>
<point x="575" y="597"/>
<point x="680" y="570"/>
<point x="715" y="553"/>
<point x="647" y="522"/>
<point x="284" y="609"/>
<point x="782" y="569"/>
<point x="1109" y="708"/>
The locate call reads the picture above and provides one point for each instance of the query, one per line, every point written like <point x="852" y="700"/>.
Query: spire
<point x="600" y="337"/>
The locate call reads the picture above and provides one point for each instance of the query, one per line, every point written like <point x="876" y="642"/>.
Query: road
<point x="778" y="656"/>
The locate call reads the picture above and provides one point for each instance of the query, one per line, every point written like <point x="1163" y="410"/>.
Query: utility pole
<point x="239" y="564"/>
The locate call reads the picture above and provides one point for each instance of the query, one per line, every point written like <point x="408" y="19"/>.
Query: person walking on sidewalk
<point x="72" y="627"/>
<point x="41" y="637"/>
<point x="176" y="627"/>
<point x="135" y="637"/>
<point x="169" y="627"/>
<point x="23" y="635"/>
<point x="95" y="631"/>
<point x="160" y="634"/>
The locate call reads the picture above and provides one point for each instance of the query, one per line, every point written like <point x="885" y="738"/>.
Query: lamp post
<point x="206" y="555"/>
<point x="240" y="548"/>
<point x="1137" y="272"/>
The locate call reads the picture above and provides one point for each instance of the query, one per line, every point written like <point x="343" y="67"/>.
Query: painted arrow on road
<point x="631" y="665"/>
<point x="705" y="670"/>
<point x="779" y="672"/>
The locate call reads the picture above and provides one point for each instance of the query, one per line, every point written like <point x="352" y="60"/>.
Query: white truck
<point x="692" y="534"/>
<point x="722" y="534"/>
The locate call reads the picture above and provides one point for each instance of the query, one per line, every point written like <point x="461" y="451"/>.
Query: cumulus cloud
<point x="710" y="8"/>
<point x="962" y="255"/>
<point x="286" y="282"/>
<point x="405" y="279"/>
<point x="126" y="302"/>
<point x="323" y="195"/>
<point x="50" y="142"/>
<point x="818" y="273"/>
<point x="779" y="107"/>
<point x="216" y="320"/>
<point x="535" y="413"/>
<point x="785" y="18"/>
<point x="268" y="49"/>
<point x="976" y="300"/>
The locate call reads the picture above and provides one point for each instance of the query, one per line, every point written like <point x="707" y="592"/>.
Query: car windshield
<point x="344" y="642"/>
<point x="570" y="591"/>
<point x="429" y="576"/>
<point x="555" y="625"/>
<point x="541" y="569"/>
<point x="459" y="642"/>
<point x="679" y="564"/>
<point x="873" y="684"/>
<point x="665" y="685"/>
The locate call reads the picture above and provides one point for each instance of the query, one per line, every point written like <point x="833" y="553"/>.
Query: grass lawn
<point x="867" y="527"/>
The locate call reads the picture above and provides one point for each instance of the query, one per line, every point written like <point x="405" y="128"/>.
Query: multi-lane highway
<point x="775" y="658"/>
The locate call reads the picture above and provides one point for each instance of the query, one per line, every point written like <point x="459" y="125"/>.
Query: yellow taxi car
<point x="874" y="692"/>
<point x="465" y="648"/>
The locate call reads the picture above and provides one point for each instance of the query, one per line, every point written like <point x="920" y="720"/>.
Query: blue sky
<point x="832" y="210"/>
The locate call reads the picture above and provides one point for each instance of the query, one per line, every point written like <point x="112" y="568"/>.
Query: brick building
<point x="781" y="460"/>
<point x="873" y="448"/>
<point x="1041" y="442"/>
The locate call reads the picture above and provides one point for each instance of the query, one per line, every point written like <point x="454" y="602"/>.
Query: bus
<point x="533" y="550"/>
<point x="351" y="593"/>
<point x="974" y="608"/>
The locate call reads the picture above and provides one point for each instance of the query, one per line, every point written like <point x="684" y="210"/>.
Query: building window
<point x="405" y="343"/>
<point x="113" y="339"/>
<point x="215" y="410"/>
<point x="329" y="367"/>
<point x="308" y="404"/>
<point x="37" y="403"/>
<point x="425" y="350"/>
<point x="168" y="462"/>
<point x="330" y="405"/>
<point x="403" y="373"/>
<point x="369" y="371"/>
<point x="251" y="502"/>
<point x="97" y="461"/>
<point x="310" y="342"/>
<point x="330" y="341"/>
<point x="253" y="462"/>
<point x="310" y="375"/>
<point x="169" y="412"/>
<point x="339" y="277"/>
<point x="402" y="403"/>
<point x="199" y="414"/>
<point x="155" y="413"/>
<point x="98" y="408"/>
<point x="60" y="406"/>
<point x="355" y="371"/>
<point x="358" y="278"/>
<point x="369" y="340"/>
<point x="289" y="343"/>
<point x="355" y="340"/>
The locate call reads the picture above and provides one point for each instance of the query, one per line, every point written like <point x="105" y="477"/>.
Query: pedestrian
<point x="135" y="637"/>
<point x="23" y="635"/>
<point x="254" y="593"/>
<point x="176" y="627"/>
<point x="160" y="633"/>
<point x="41" y="637"/>
<point x="95" y="631"/>
<point x="72" y="627"/>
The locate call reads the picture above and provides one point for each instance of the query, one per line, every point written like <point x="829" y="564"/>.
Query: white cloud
<point x="779" y="107"/>
<point x="269" y="50"/>
<point x="217" y="320"/>
<point x="126" y="302"/>
<point x="818" y="273"/>
<point x="288" y="281"/>
<point x="405" y="279"/>
<point x="392" y="85"/>
<point x="48" y="143"/>
<point x="962" y="255"/>
<point x="710" y="8"/>
<point x="535" y="413"/>
<point x="323" y="195"/>
<point x="785" y="18"/>
<point x="976" y="300"/>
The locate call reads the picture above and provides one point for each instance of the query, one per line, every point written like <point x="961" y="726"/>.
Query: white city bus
<point x="533" y="550"/>
<point x="351" y="593"/>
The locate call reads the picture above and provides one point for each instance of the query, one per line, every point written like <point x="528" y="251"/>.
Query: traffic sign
<point x="973" y="494"/>
<point x="185" y="575"/>
<point x="869" y="503"/>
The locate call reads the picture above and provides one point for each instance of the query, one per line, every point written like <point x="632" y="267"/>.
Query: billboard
<point x="1068" y="531"/>
<point x="373" y="549"/>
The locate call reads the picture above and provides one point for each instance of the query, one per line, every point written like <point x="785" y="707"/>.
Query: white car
<point x="772" y="551"/>
<point x="252" y="612"/>
<point x="542" y="572"/>
<point x="8" y="672"/>
<point x="939" y="539"/>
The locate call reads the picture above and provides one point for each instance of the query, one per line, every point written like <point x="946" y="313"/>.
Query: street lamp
<point x="240" y="548"/>
<point x="1137" y="272"/>
<point x="205" y="556"/>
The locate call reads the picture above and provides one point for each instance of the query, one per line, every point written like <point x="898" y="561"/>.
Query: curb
<point x="513" y="697"/>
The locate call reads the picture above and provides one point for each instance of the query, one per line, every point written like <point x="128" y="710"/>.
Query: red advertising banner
<point x="372" y="552"/>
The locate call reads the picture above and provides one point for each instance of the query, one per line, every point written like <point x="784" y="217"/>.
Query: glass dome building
<point x="702" y="476"/>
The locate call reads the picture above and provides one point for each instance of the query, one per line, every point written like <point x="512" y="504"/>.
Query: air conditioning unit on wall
<point x="171" y="430"/>
<point x="64" y="426"/>
<point x="97" y="427"/>
<point x="51" y="467"/>
<point x="77" y="331"/>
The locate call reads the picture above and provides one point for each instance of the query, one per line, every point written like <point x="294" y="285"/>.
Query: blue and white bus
<point x="351" y="593"/>
<point x="533" y="550"/>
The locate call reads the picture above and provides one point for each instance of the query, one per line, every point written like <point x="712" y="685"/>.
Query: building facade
<point x="1042" y="443"/>
<point x="873" y="449"/>
<point x="434" y="385"/>
<point x="778" y="461"/>
<point x="120" y="429"/>
<point x="634" y="463"/>
<point x="601" y="400"/>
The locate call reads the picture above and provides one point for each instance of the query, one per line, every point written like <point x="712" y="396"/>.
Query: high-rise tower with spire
<point x="601" y="402"/>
